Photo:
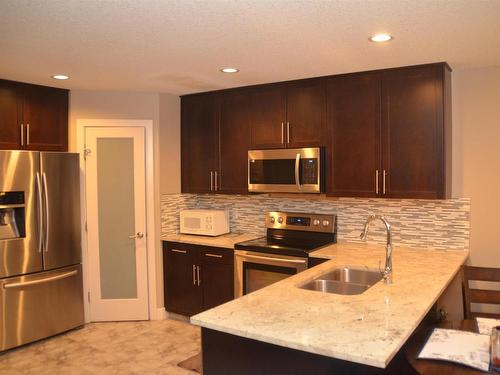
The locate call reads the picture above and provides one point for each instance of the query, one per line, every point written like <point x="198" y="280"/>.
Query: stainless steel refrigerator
<point x="40" y="246"/>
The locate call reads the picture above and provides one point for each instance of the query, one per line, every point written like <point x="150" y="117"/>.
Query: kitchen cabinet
<point x="416" y="120"/>
<point x="353" y="112"/>
<point x="196" y="278"/>
<point x="385" y="133"/>
<point x="215" y="138"/>
<point x="199" y="143"/>
<point x="390" y="133"/>
<point x="291" y="115"/>
<point x="33" y="117"/>
<point x="234" y="141"/>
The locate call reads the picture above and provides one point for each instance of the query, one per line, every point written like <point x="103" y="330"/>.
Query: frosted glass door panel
<point x="116" y="216"/>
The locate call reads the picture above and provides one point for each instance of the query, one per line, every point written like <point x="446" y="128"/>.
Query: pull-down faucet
<point x="387" y="272"/>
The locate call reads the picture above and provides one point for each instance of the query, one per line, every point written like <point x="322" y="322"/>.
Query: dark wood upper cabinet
<point x="46" y="118"/>
<point x="11" y="107"/>
<point x="199" y="143"/>
<point x="234" y="141"/>
<point x="306" y="113"/>
<point x="267" y="106"/>
<point x="386" y="133"/>
<point x="33" y="117"/>
<point x="353" y="107"/>
<point x="414" y="103"/>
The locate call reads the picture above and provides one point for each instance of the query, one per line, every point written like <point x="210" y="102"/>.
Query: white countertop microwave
<point x="204" y="222"/>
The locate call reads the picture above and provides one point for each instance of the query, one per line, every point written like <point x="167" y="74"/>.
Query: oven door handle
<point x="297" y="174"/>
<point x="299" y="261"/>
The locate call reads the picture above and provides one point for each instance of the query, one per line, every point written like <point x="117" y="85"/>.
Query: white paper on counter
<point x="485" y="325"/>
<point x="467" y="348"/>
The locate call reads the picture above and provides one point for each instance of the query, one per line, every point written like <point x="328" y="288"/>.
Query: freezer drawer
<point x="40" y="305"/>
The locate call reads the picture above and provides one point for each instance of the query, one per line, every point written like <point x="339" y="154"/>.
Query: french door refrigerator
<point x="41" y="288"/>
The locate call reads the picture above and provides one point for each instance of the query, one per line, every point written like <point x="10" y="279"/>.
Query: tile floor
<point x="153" y="347"/>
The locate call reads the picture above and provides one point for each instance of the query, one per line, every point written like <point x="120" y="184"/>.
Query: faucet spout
<point x="387" y="272"/>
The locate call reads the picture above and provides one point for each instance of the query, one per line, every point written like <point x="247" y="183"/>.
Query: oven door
<point x="255" y="270"/>
<point x="295" y="170"/>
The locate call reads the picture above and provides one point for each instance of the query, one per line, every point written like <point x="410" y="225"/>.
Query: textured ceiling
<point x="179" y="46"/>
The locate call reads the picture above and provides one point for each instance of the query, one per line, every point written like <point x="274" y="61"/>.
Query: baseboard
<point x="178" y="317"/>
<point x="159" y="314"/>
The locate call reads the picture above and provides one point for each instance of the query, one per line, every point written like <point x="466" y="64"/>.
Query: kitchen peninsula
<point x="322" y="332"/>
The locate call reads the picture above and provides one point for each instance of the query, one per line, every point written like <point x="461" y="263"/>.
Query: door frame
<point x="150" y="207"/>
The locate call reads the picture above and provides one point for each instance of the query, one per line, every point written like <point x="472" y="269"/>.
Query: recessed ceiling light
<point x="229" y="70"/>
<point x="60" y="76"/>
<point x="380" y="38"/>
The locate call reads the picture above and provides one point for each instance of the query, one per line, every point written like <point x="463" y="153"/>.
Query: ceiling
<point x="178" y="46"/>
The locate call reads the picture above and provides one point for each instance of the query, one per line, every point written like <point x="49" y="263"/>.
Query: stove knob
<point x="280" y="220"/>
<point x="315" y="222"/>
<point x="326" y="223"/>
<point x="272" y="219"/>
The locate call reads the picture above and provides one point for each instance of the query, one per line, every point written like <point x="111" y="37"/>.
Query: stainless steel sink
<point x="346" y="280"/>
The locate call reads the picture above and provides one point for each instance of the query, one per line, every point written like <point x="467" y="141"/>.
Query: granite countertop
<point x="368" y="328"/>
<point x="225" y="240"/>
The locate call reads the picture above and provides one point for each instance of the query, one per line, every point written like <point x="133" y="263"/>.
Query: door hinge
<point x="86" y="226"/>
<point x="88" y="296"/>
<point x="86" y="152"/>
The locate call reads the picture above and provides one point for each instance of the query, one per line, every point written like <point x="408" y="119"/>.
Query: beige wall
<point x="476" y="157"/>
<point x="164" y="111"/>
<point x="170" y="144"/>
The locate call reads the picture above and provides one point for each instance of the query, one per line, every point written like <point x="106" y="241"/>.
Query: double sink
<point x="345" y="280"/>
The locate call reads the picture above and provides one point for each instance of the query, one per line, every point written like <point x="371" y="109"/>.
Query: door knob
<point x="137" y="235"/>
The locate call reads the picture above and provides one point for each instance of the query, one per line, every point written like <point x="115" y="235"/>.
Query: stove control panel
<point x="301" y="221"/>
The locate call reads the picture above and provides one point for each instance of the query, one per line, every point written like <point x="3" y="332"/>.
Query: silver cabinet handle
<point x="198" y="275"/>
<point x="27" y="134"/>
<point x="213" y="255"/>
<point x="376" y="182"/>
<point x="22" y="134"/>
<point x="40" y="281"/>
<point x="40" y="211"/>
<point x="179" y="251"/>
<point x="275" y="259"/>
<point x="282" y="133"/>
<point x="137" y="235"/>
<point x="194" y="274"/>
<point x="47" y="214"/>
<point x="216" y="182"/>
<point x="383" y="181"/>
<point x="297" y="175"/>
<point x="211" y="181"/>
<point x="288" y="132"/>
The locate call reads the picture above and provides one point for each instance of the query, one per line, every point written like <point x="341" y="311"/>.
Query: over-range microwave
<point x="292" y="170"/>
<point x="204" y="222"/>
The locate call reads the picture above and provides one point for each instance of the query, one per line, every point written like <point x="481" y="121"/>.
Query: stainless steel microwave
<point x="292" y="170"/>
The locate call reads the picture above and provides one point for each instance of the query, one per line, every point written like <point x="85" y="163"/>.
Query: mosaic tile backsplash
<point x="438" y="224"/>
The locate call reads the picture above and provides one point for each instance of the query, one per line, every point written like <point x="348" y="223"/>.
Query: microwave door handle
<point x="297" y="175"/>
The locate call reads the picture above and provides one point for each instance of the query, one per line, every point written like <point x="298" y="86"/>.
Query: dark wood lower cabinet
<point x="196" y="278"/>
<point x="228" y="354"/>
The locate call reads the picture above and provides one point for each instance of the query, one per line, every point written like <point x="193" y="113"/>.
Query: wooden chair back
<point x="476" y="295"/>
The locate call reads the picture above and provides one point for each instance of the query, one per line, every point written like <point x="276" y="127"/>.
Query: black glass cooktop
<point x="286" y="246"/>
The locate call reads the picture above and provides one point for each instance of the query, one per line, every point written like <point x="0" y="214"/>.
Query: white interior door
<point x="116" y="223"/>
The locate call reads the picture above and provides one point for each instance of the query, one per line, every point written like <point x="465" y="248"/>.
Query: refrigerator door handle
<point x="40" y="212"/>
<point x="47" y="215"/>
<point x="40" y="281"/>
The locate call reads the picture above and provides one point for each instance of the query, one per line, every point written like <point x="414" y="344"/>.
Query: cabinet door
<point x="10" y="115"/>
<point x="234" y="134"/>
<point x="182" y="294"/>
<point x="412" y="132"/>
<point x="45" y="114"/>
<point x="217" y="280"/>
<point x="198" y="143"/>
<point x="267" y="117"/>
<point x="353" y="106"/>
<point x="306" y="114"/>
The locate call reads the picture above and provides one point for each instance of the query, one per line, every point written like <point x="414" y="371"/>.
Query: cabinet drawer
<point x="214" y="254"/>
